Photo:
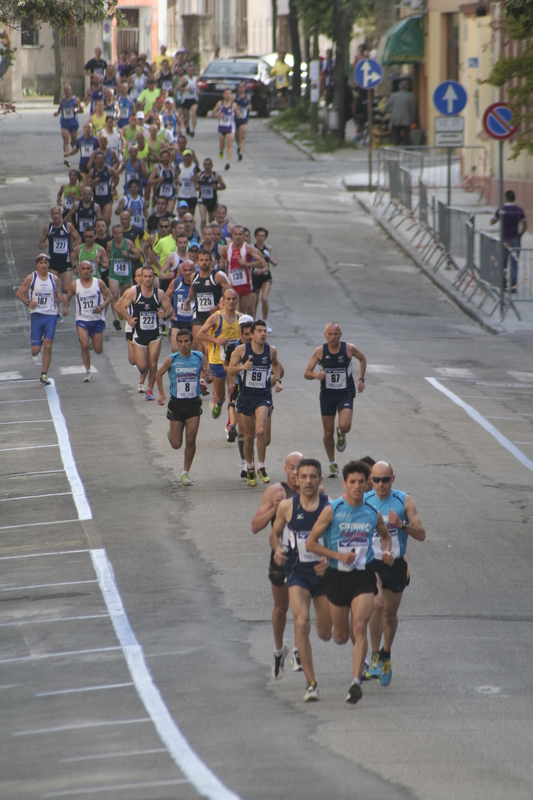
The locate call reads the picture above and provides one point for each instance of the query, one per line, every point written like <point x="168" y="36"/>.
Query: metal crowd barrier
<point x="524" y="288"/>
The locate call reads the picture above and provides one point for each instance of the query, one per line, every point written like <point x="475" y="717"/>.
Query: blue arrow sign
<point x="449" y="98"/>
<point x="368" y="74"/>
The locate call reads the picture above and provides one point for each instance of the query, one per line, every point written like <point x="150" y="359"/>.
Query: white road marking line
<point x="29" y="447"/>
<point x="16" y="180"/>
<point x="342" y="264"/>
<point x="25" y="474"/>
<point x="502" y="384"/>
<point x="33" y="496"/>
<point x="82" y="726"/>
<point x="477" y="417"/>
<point x="10" y="376"/>
<point x="453" y="372"/>
<point x="52" y="619"/>
<point x="88" y="689"/>
<point x="77" y="370"/>
<point x="25" y="422"/>
<point x="199" y="774"/>
<point x="114" y="788"/>
<point x="521" y="376"/>
<point x="30" y="380"/>
<point x="40" y="656"/>
<point x="112" y="755"/>
<point x="37" y="524"/>
<point x="45" y="585"/>
<point x="382" y="369"/>
<point x="32" y="400"/>
<point x="522" y="442"/>
<point x="518" y="419"/>
<point x="78" y="489"/>
<point x="43" y="555"/>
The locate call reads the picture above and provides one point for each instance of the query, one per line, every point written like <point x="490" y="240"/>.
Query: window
<point x="29" y="32"/>
<point x="452" y="47"/>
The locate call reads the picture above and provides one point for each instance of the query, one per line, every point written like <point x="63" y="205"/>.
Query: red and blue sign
<point x="497" y="121"/>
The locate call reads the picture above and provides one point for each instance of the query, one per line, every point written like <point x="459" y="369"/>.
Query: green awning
<point x="403" y="43"/>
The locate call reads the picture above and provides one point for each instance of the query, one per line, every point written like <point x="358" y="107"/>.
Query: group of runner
<point x="345" y="555"/>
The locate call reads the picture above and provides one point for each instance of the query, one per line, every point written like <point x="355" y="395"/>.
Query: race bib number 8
<point x="335" y="379"/>
<point x="148" y="321"/>
<point x="186" y="388"/>
<point x="256" y="378"/>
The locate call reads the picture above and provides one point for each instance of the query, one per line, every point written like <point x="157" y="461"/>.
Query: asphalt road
<point x="456" y="719"/>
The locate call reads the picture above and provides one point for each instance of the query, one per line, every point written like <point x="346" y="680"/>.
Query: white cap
<point x="245" y="319"/>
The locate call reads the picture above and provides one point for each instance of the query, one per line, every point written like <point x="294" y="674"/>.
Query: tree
<point x="518" y="71"/>
<point x="344" y="12"/>
<point x="296" y="52"/>
<point x="274" y="26"/>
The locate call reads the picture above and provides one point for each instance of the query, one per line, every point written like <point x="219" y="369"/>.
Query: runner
<point x="39" y="292"/>
<point x="103" y="180"/>
<point x="225" y="112"/>
<point x="208" y="183"/>
<point x="92" y="299"/>
<point x="125" y="105"/>
<point x="152" y="225"/>
<point x="281" y="72"/>
<point x="401" y="518"/>
<point x="171" y="255"/>
<point x="262" y="282"/>
<point x="165" y="179"/>
<point x="188" y="86"/>
<point x="219" y="330"/>
<point x="85" y="212"/>
<point x="69" y="107"/>
<point x="178" y="293"/>
<point x="272" y="497"/>
<point x="242" y="112"/>
<point x="238" y="256"/>
<point x="209" y="244"/>
<point x="294" y="520"/>
<point x="84" y="145"/>
<point x="234" y="427"/>
<point x="120" y="252"/>
<point x="102" y="239"/>
<point x="206" y="291"/>
<point x="337" y="388"/>
<point x="70" y="192"/>
<point x="347" y="525"/>
<point x="259" y="361"/>
<point x="187" y="172"/>
<point x="221" y="218"/>
<point x="141" y="388"/>
<point x="60" y="237"/>
<point x="92" y="253"/>
<point x="148" y="306"/>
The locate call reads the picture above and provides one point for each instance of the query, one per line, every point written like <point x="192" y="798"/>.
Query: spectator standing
<point x="514" y="227"/>
<point x="403" y="113"/>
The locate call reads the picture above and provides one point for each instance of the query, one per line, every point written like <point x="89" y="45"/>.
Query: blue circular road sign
<point x="449" y="98"/>
<point x="368" y="74"/>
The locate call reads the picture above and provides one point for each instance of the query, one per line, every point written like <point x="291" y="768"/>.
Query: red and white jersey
<point x="238" y="275"/>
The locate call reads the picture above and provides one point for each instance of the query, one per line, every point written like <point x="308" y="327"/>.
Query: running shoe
<point x="227" y="165"/>
<point x="141" y="388"/>
<point x="269" y="329"/>
<point x="244" y="471"/>
<point x="278" y="665"/>
<point x="88" y="378"/>
<point x="341" y="440"/>
<point x="296" y="664"/>
<point x="251" y="478"/>
<point x="116" y="324"/>
<point x="185" y="479"/>
<point x="59" y="318"/>
<point x="66" y="162"/>
<point x="240" y="156"/>
<point x="215" y="412"/>
<point x="333" y="471"/>
<point x="149" y="394"/>
<point x="221" y="154"/>
<point x="191" y="133"/>
<point x="355" y="693"/>
<point x="386" y="672"/>
<point x="311" y="693"/>
<point x="263" y="477"/>
<point x="231" y="433"/>
<point x="203" y="388"/>
<point x="187" y="131"/>
<point x="374" y="668"/>
<point x="44" y="380"/>
<point x="238" y="150"/>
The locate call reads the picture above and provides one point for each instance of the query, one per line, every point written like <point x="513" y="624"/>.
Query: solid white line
<point x="33" y="496"/>
<point x="112" y="755"/>
<point x="24" y="380"/>
<point x="25" y="474"/>
<point x="52" y="619"/>
<point x="33" y="524"/>
<point x="32" y="400"/>
<point x="477" y="417"/>
<point x="42" y="555"/>
<point x="28" y="447"/>
<point x="25" y="422"/>
<point x="40" y="656"/>
<point x="45" y="585"/>
<point x="199" y="774"/>
<point x="82" y="726"/>
<point x="114" y="788"/>
<point x="85" y="689"/>
<point x="78" y="490"/>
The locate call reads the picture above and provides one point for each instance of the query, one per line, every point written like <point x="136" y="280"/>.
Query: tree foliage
<point x="518" y="69"/>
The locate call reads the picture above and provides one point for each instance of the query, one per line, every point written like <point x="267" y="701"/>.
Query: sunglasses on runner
<point x="386" y="479"/>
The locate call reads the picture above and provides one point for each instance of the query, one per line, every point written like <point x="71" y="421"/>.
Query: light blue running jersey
<point x="395" y="502"/>
<point x="351" y="531"/>
<point x="185" y="375"/>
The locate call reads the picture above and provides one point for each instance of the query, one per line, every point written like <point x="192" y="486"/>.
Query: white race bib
<point x="148" y="321"/>
<point x="183" y="310"/>
<point x="226" y="121"/>
<point x="166" y="190"/>
<point x="186" y="388"/>
<point x="360" y="556"/>
<point x="68" y="113"/>
<point x="166" y="85"/>
<point x="61" y="245"/>
<point x="101" y="189"/>
<point x="84" y="223"/>
<point x="256" y="377"/>
<point x="121" y="267"/>
<point x="42" y="299"/>
<point x="187" y="183"/>
<point x="335" y="379"/>
<point x="87" y="303"/>
<point x="69" y="201"/>
<point x="86" y="150"/>
<point x="280" y="80"/>
<point x="205" y="302"/>
<point x="137" y="220"/>
<point x="207" y="192"/>
<point x="124" y="112"/>
<point x="303" y="554"/>
<point x="238" y="277"/>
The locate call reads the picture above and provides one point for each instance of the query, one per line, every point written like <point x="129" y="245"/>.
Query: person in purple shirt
<point x="514" y="227"/>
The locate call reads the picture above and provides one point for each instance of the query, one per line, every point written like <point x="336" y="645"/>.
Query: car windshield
<point x="231" y="68"/>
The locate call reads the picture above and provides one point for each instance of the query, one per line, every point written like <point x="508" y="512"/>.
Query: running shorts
<point x="247" y="403"/>
<point x="395" y="578"/>
<point x="42" y="326"/>
<point x="333" y="401"/>
<point x="218" y="371"/>
<point x="93" y="326"/>
<point x="259" y="280"/>
<point x="342" y="587"/>
<point x="182" y="410"/>
<point x="306" y="577"/>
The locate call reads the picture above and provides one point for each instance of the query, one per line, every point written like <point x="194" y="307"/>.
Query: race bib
<point x="256" y="377"/>
<point x="166" y="190"/>
<point x="137" y="220"/>
<point x="360" y="557"/>
<point x="205" y="302"/>
<point x="280" y="80"/>
<point x="238" y="277"/>
<point x="87" y="303"/>
<point x="186" y="388"/>
<point x="68" y="113"/>
<point x="303" y="554"/>
<point x="148" y="321"/>
<point x="183" y="311"/>
<point x="121" y="267"/>
<point x="166" y="85"/>
<point x="101" y="189"/>
<point x="335" y="379"/>
<point x="207" y="192"/>
<point x="86" y="150"/>
<point x="84" y="223"/>
<point x="69" y="201"/>
<point x="187" y="183"/>
<point x="226" y="121"/>
<point x="124" y="112"/>
<point x="42" y="299"/>
<point x="61" y="245"/>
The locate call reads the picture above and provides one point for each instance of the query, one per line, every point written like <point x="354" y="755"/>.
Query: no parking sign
<point x="497" y="121"/>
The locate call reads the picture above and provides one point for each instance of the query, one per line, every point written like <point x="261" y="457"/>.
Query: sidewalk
<point x="35" y="103"/>
<point x="444" y="278"/>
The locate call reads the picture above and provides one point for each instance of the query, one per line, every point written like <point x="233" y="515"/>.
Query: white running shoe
<point x="141" y="388"/>
<point x="269" y="329"/>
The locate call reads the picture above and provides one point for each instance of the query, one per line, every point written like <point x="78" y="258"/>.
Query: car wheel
<point x="264" y="110"/>
<point x="202" y="110"/>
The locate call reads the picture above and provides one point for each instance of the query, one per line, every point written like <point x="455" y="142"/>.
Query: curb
<point x="291" y="140"/>
<point x="433" y="277"/>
